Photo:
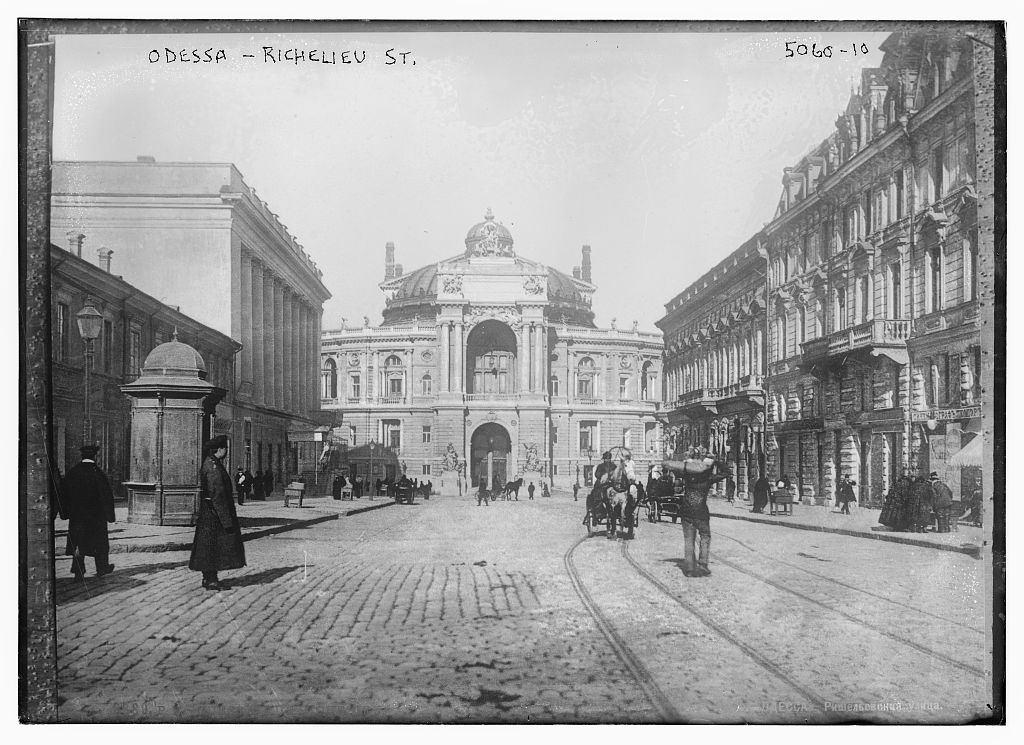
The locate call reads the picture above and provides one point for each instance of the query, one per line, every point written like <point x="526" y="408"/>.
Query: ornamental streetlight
<point x="90" y="321"/>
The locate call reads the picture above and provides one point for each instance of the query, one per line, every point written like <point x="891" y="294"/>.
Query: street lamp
<point x="590" y="459"/>
<point x="90" y="321"/>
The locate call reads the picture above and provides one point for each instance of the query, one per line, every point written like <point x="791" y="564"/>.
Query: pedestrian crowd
<point x="917" y="505"/>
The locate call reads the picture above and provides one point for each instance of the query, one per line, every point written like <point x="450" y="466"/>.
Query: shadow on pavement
<point x="70" y="590"/>
<point x="265" y="522"/>
<point x="259" y="578"/>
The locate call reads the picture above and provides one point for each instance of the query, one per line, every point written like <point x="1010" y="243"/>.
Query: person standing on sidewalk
<point x="544" y="491"/>
<point x="218" y="539"/>
<point x="576" y="492"/>
<point x="481" y="494"/>
<point x="87" y="503"/>
<point x="257" y="485"/>
<point x="846" y="494"/>
<point x="243" y="485"/>
<point x="531" y="489"/>
<point x="762" y="492"/>
<point x="942" y="502"/>
<point x="268" y="482"/>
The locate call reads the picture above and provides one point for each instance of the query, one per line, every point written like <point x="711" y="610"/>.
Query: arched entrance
<point x="491" y="359"/>
<point x="489" y="453"/>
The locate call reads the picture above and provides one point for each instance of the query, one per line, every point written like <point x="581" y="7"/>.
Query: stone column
<point x="314" y="345"/>
<point x="245" y="303"/>
<point x="258" y="342"/>
<point x="446" y="365"/>
<point x="538" y="358"/>
<point x="460" y="357"/>
<point x="408" y="378"/>
<point x="279" y="344"/>
<point x="269" y="339"/>
<point x="524" y="359"/>
<point x="300" y="358"/>
<point x="288" y="334"/>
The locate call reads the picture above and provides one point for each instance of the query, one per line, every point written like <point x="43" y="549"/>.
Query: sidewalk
<point x="256" y="519"/>
<point x="862" y="523"/>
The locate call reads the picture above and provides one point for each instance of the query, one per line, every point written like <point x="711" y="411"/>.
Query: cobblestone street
<point x="445" y="611"/>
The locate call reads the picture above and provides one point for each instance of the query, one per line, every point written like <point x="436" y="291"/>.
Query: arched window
<point x="780" y="336"/>
<point x="329" y="382"/>
<point x="426" y="385"/>
<point x="586" y="373"/>
<point x="394" y="376"/>
<point x="554" y="385"/>
<point x="645" y="380"/>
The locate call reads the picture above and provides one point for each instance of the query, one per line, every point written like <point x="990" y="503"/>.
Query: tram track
<point x="757" y="657"/>
<point x="661" y="703"/>
<point x="874" y="628"/>
<point x="848" y="586"/>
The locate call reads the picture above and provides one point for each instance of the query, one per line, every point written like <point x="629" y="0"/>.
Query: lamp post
<point x="90" y="321"/>
<point x="590" y="459"/>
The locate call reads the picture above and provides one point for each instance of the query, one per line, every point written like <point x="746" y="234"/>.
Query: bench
<point x="294" y="490"/>
<point x="782" y="503"/>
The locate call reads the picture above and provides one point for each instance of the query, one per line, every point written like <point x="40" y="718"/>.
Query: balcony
<point x="880" y="336"/>
<point x="747" y="390"/>
<point x="393" y="400"/>
<point x="491" y="396"/>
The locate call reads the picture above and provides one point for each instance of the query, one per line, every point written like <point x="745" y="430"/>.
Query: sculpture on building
<point x="452" y="284"/>
<point x="451" y="459"/>
<point x="966" y="382"/>
<point x="533" y="285"/>
<point x="532" y="459"/>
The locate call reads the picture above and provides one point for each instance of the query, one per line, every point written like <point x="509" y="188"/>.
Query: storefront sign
<point x="946" y="415"/>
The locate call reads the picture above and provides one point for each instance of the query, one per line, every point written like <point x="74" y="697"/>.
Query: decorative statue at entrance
<point x="451" y="459"/>
<point x="532" y="459"/>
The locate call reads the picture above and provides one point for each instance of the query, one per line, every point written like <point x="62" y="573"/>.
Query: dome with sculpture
<point x="488" y="264"/>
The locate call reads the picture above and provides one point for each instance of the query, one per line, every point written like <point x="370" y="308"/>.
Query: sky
<point x="663" y="151"/>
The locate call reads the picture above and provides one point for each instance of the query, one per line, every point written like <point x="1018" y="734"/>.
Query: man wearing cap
<point x="218" y="540"/>
<point x="942" y="502"/>
<point x="87" y="502"/>
<point x="846" y="494"/>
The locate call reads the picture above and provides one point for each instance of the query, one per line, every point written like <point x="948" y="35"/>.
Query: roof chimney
<point x="575" y="272"/>
<point x="104" y="255"/>
<point x="75" y="240"/>
<point x="397" y="270"/>
<point x="585" y="265"/>
<point x="389" y="260"/>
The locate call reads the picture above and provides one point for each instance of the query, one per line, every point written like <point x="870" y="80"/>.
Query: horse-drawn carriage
<point x="614" y="500"/>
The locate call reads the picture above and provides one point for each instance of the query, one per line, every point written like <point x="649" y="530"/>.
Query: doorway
<point x="490" y="448"/>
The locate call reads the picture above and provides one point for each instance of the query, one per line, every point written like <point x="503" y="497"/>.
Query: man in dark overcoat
<point x="920" y="505"/>
<point x="218" y="540"/>
<point x="762" y="492"/>
<point x="87" y="502"/>
<point x="257" y="486"/>
<point x="846" y="494"/>
<point x="242" y="484"/>
<point x="268" y="482"/>
<point x="942" y="502"/>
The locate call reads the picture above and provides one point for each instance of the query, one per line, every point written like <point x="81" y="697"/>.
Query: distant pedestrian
<point x="268" y="482"/>
<point x="242" y="485"/>
<point x="730" y="489"/>
<point x="846" y="494"/>
<point x="337" y="485"/>
<point x="530" y="489"/>
<point x="919" y="506"/>
<point x="762" y="492"/>
<point x="257" y="486"/>
<point x="544" y="491"/>
<point x="218" y="539"/>
<point x="942" y="503"/>
<point x="894" y="512"/>
<point x="87" y="503"/>
<point x="481" y="494"/>
<point x="576" y="492"/>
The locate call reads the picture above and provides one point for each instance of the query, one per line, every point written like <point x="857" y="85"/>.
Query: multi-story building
<point x="133" y="324"/>
<point x="714" y="334"/>
<point x="874" y="338"/>
<point x="490" y="362"/>
<point x="196" y="235"/>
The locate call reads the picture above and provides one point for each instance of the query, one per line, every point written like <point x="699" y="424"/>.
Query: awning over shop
<point x="969" y="455"/>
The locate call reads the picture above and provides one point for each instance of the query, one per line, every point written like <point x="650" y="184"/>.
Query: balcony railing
<point x="398" y="399"/>
<point x="875" y="333"/>
<point x="491" y="396"/>
<point x="587" y="400"/>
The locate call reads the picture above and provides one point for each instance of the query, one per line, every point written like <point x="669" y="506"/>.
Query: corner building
<point x="490" y="363"/>
<point x="874" y="349"/>
<point x="195" y="235"/>
<point x="714" y="366"/>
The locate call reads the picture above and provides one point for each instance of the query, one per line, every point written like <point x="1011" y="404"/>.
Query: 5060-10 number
<point x="799" y="49"/>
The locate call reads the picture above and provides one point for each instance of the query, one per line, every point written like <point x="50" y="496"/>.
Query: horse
<point x="620" y="499"/>
<point x="512" y="487"/>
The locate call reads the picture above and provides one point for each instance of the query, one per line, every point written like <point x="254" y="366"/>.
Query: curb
<point x="970" y="549"/>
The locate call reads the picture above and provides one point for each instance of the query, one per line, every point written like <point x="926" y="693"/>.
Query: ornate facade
<point x="874" y="342"/>
<point x="196" y="235"/>
<point x="488" y="365"/>
<point x="714" y="365"/>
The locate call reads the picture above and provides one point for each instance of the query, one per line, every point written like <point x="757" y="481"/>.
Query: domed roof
<point x="489" y="238"/>
<point x="174" y="359"/>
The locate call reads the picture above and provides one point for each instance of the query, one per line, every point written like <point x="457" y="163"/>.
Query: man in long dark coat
<point x="268" y="482"/>
<point x="700" y="471"/>
<point x="762" y="492"/>
<point x="920" y="505"/>
<point x="218" y="539"/>
<point x="257" y="486"/>
<point x="87" y="502"/>
<point x="942" y="503"/>
<point x="846" y="494"/>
